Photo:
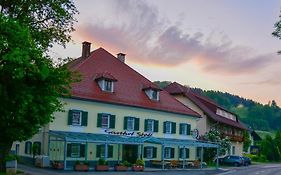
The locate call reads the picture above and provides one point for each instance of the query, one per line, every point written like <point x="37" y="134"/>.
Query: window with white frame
<point x="108" y="85"/>
<point x="77" y="118"/>
<point x="105" y="121"/>
<point x="152" y="94"/>
<point x="183" y="128"/>
<point x="168" y="127"/>
<point x="75" y="150"/>
<point x="150" y="125"/>
<point x="168" y="153"/>
<point x="130" y="123"/>
<point x="149" y="152"/>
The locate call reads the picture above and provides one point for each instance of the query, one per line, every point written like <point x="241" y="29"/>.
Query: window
<point x="75" y="150"/>
<point x="169" y="127"/>
<point x="169" y="153"/>
<point x="233" y="150"/>
<point x="155" y="95"/>
<point x="108" y="86"/>
<point x="77" y="118"/>
<point x="28" y="147"/>
<point x="37" y="148"/>
<point x="151" y="125"/>
<point x="184" y="153"/>
<point x="100" y="151"/>
<point x="131" y="123"/>
<point x="149" y="152"/>
<point x="184" y="129"/>
<point x="105" y="120"/>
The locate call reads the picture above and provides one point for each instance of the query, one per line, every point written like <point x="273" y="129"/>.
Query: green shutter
<point x="99" y="120"/>
<point x="174" y="127"/>
<point x="25" y="148"/>
<point x="156" y="125"/>
<point x="137" y="124"/>
<point x="145" y="124"/>
<point x="70" y="114"/>
<point x="187" y="152"/>
<point x="110" y="151"/>
<point x="98" y="151"/>
<point x="164" y="127"/>
<point x="112" y="121"/>
<point x="172" y="152"/>
<point x="145" y="152"/>
<point x="188" y="129"/>
<point x="180" y="153"/>
<point x="84" y="118"/>
<point x="154" y="152"/>
<point x="180" y="128"/>
<point x="82" y="150"/>
<point x="125" y="122"/>
<point x="68" y="151"/>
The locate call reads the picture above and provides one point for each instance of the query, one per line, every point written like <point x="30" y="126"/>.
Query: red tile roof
<point x="205" y="104"/>
<point x="105" y="75"/>
<point x="128" y="89"/>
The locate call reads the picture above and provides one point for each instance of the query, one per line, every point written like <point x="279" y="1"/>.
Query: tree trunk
<point x="4" y="152"/>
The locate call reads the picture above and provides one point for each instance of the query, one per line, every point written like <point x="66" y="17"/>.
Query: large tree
<point x="30" y="84"/>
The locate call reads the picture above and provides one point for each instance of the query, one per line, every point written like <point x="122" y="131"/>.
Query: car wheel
<point x="236" y="164"/>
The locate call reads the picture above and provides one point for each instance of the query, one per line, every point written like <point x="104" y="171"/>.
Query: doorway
<point x="130" y="153"/>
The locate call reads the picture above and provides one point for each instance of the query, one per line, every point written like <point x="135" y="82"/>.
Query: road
<point x="261" y="169"/>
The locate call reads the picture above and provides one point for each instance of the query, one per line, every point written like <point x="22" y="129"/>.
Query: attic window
<point x="152" y="91"/>
<point x="105" y="81"/>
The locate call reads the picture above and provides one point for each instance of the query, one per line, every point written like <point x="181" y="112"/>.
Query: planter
<point x="81" y="167"/>
<point x="102" y="168"/>
<point x="11" y="164"/>
<point x="120" y="168"/>
<point x="58" y="165"/>
<point x="137" y="168"/>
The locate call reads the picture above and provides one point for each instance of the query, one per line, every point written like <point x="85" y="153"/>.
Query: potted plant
<point x="139" y="165"/>
<point x="81" y="166"/>
<point x="122" y="166"/>
<point x="102" y="165"/>
<point x="58" y="165"/>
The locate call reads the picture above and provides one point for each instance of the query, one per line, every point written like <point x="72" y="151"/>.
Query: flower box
<point x="137" y="168"/>
<point x="58" y="165"/>
<point x="102" y="168"/>
<point x="81" y="167"/>
<point x="120" y="168"/>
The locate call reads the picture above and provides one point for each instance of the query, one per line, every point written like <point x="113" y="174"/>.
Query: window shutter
<point x="172" y="152"/>
<point x="82" y="150"/>
<point x="164" y="127"/>
<point x="145" y="152"/>
<point x="154" y="152"/>
<point x="180" y="129"/>
<point x="110" y="151"/>
<point x="25" y="148"/>
<point x="30" y="147"/>
<point x="38" y="150"/>
<point x="180" y="153"/>
<point x="68" y="150"/>
<point x="112" y="121"/>
<point x="156" y="125"/>
<point x="98" y="151"/>
<point x="188" y="129"/>
<point x="137" y="124"/>
<point x="70" y="114"/>
<point x="125" y="122"/>
<point x="99" y="120"/>
<point x="84" y="118"/>
<point x="187" y="152"/>
<point x="173" y="127"/>
<point x="145" y="124"/>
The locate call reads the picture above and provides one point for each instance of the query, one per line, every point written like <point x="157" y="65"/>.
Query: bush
<point x="140" y="162"/>
<point x="126" y="163"/>
<point x="102" y="162"/>
<point x="12" y="157"/>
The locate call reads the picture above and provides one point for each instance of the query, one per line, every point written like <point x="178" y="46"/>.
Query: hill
<point x="256" y="115"/>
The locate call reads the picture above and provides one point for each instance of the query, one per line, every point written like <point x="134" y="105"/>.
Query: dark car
<point x="232" y="160"/>
<point x="247" y="161"/>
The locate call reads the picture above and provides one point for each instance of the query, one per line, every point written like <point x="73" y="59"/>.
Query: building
<point x="213" y="116"/>
<point x="117" y="114"/>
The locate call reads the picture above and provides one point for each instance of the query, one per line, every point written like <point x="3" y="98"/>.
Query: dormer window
<point x="105" y="81"/>
<point x="152" y="91"/>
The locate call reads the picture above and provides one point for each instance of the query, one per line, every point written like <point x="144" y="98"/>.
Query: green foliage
<point x="247" y="141"/>
<point x="269" y="149"/>
<point x="12" y="157"/>
<point x="140" y="162"/>
<point x="126" y="163"/>
<point x="102" y="162"/>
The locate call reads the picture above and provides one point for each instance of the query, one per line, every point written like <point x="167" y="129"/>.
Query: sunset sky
<point x="221" y="45"/>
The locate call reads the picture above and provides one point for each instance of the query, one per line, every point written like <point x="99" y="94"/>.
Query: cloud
<point x="136" y="28"/>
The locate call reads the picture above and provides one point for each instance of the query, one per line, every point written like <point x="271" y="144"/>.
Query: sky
<point x="223" y="45"/>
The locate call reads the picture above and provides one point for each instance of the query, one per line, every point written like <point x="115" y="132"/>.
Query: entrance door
<point x="130" y="153"/>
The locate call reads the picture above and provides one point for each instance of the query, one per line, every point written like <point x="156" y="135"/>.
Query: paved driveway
<point x="39" y="171"/>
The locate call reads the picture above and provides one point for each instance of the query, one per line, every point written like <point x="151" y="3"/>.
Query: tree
<point x="277" y="30"/>
<point x="247" y="141"/>
<point x="269" y="149"/>
<point x="30" y="84"/>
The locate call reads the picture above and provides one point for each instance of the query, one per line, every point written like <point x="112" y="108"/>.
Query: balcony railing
<point x="235" y="138"/>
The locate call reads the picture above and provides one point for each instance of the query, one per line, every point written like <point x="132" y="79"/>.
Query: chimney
<point x="86" y="49"/>
<point x="121" y="57"/>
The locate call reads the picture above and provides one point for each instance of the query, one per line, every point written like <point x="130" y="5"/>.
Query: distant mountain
<point x="256" y="115"/>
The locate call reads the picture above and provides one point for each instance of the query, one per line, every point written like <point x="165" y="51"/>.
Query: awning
<point x="116" y="139"/>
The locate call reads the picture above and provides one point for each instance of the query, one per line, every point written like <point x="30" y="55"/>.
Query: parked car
<point x="247" y="161"/>
<point x="232" y="160"/>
